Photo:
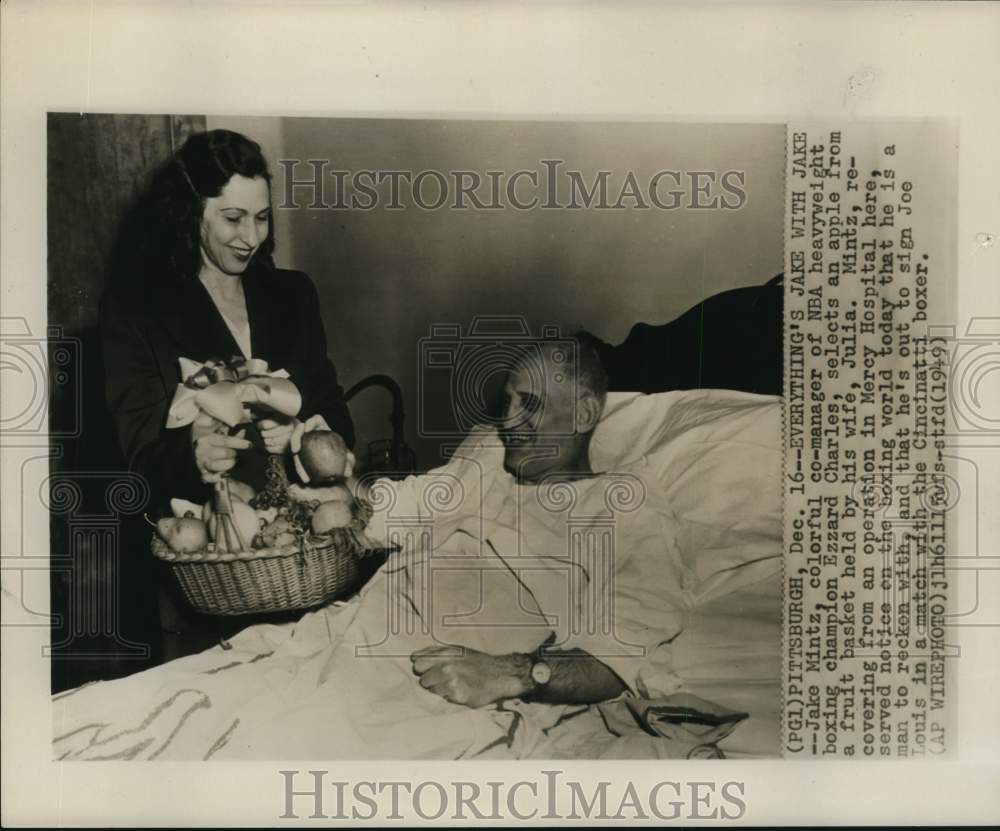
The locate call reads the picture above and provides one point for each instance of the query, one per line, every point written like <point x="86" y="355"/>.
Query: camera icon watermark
<point x="31" y="366"/>
<point x="460" y="376"/>
<point x="903" y="547"/>
<point x="971" y="362"/>
<point x="89" y="564"/>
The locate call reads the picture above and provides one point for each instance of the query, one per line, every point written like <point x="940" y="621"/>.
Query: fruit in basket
<point x="184" y="508"/>
<point x="323" y="455"/>
<point x="281" y="531"/>
<point x="241" y="490"/>
<point x="274" y="493"/>
<point x="300" y="515"/>
<point x="337" y="493"/>
<point x="325" y="493"/>
<point x="244" y="518"/>
<point x="183" y="534"/>
<point x="266" y="516"/>
<point x="331" y="515"/>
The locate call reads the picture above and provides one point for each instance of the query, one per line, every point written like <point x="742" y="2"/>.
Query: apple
<point x="278" y="532"/>
<point x="337" y="493"/>
<point x="330" y="515"/>
<point x="265" y="516"/>
<point x="182" y="534"/>
<point x="323" y="455"/>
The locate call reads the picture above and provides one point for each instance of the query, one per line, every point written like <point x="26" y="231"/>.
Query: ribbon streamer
<point x="226" y="390"/>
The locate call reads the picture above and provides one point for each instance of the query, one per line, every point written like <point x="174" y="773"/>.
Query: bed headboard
<point x="732" y="340"/>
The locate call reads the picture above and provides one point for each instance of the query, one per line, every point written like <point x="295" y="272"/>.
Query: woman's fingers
<point x="219" y="454"/>
<point x="316" y="422"/>
<point x="235" y="442"/>
<point x="295" y="442"/>
<point x="279" y="431"/>
<point x="276" y="435"/>
<point x="226" y="446"/>
<point x="220" y="465"/>
<point x="215" y="453"/>
<point x="219" y="440"/>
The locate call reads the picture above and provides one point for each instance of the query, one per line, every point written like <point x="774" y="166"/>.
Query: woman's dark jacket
<point x="146" y="327"/>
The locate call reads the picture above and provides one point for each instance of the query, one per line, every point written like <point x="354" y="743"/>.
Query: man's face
<point x="539" y="429"/>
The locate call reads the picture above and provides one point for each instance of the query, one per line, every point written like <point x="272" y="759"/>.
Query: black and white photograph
<point x="423" y="438"/>
<point x="522" y="413"/>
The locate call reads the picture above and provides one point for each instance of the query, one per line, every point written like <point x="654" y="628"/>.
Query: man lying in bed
<point x="607" y="614"/>
<point x="527" y="587"/>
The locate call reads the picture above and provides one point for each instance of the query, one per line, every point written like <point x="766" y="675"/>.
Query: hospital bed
<point x="717" y="454"/>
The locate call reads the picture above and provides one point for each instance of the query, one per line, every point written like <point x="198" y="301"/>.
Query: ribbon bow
<point x="227" y="389"/>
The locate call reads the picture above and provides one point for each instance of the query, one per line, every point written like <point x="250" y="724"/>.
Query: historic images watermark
<point x="89" y="507"/>
<point x="313" y="794"/>
<point x="315" y="185"/>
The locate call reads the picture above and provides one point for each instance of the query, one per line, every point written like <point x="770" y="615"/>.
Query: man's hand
<point x="475" y="679"/>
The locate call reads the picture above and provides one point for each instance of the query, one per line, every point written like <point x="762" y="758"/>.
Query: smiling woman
<point x="201" y="284"/>
<point x="235" y="223"/>
<point x="234" y="226"/>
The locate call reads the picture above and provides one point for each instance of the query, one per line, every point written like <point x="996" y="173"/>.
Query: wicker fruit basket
<point x="316" y="570"/>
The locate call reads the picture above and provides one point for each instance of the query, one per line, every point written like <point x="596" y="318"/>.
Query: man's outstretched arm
<point x="475" y="679"/>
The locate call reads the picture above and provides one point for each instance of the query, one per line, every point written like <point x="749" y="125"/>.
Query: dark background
<point x="103" y="590"/>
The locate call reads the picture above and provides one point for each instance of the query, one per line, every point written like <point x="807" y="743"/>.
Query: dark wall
<point x="103" y="589"/>
<point x="385" y="276"/>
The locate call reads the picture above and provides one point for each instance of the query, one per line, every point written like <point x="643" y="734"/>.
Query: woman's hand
<point x="214" y="452"/>
<point x="277" y="435"/>
<point x="316" y="422"/>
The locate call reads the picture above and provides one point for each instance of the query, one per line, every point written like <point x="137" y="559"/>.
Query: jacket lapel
<point x="195" y="324"/>
<point x="260" y="311"/>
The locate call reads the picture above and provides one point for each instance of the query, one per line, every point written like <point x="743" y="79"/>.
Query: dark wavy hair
<point x="174" y="205"/>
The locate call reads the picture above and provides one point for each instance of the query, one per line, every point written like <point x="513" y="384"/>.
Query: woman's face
<point x="235" y="223"/>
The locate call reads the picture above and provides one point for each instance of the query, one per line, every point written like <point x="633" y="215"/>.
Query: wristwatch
<point x="541" y="672"/>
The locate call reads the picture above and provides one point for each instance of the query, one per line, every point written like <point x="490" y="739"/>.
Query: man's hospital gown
<point x="483" y="563"/>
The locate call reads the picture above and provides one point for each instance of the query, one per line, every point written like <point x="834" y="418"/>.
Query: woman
<point x="202" y="284"/>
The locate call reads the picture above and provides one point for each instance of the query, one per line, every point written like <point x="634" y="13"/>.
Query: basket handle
<point x="224" y="510"/>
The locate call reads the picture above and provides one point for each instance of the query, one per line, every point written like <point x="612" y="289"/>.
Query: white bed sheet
<point x="716" y="455"/>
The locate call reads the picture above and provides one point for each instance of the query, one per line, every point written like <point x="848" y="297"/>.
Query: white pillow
<point x="718" y="456"/>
